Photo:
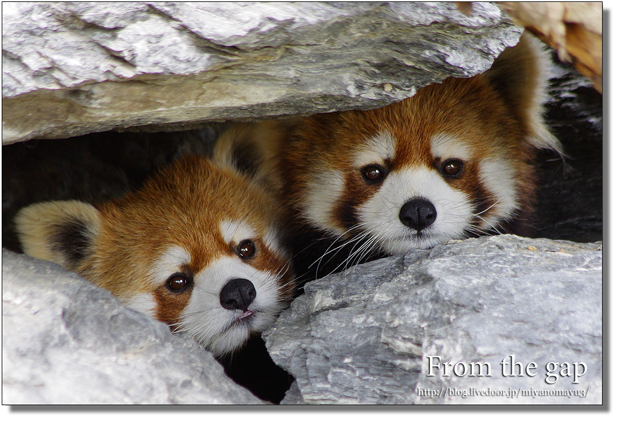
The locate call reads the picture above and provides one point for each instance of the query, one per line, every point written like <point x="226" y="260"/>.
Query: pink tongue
<point x="245" y="314"/>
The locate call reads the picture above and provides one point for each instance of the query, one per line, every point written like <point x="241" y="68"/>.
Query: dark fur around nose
<point x="418" y="214"/>
<point x="237" y="294"/>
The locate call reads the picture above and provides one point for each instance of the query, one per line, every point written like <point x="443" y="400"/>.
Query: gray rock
<point x="79" y="67"/>
<point x="293" y="396"/>
<point x="66" y="341"/>
<point x="370" y="334"/>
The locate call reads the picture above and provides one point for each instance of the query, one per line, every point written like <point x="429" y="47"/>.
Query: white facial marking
<point x="380" y="214"/>
<point x="323" y="190"/>
<point x="541" y="137"/>
<point x="327" y="187"/>
<point x="446" y="146"/>
<point x="171" y="261"/>
<point x="214" y="326"/>
<point x="499" y="178"/>
<point x="271" y="240"/>
<point x="236" y="231"/>
<point x="144" y="303"/>
<point x="376" y="150"/>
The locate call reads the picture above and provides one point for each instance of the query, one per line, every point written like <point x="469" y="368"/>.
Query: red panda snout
<point x="237" y="294"/>
<point x="229" y="300"/>
<point x="417" y="214"/>
<point x="415" y="207"/>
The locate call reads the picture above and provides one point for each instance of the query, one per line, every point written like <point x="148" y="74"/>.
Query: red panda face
<point x="440" y="190"/>
<point x="197" y="247"/>
<point x="450" y="162"/>
<point x="453" y="161"/>
<point x="219" y="298"/>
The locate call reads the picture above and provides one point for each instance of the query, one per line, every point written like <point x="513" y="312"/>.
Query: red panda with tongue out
<point x="197" y="247"/>
<point x="453" y="161"/>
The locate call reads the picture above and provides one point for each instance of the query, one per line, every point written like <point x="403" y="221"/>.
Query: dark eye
<point x="178" y="282"/>
<point x="246" y="249"/>
<point x="373" y="173"/>
<point x="452" y="168"/>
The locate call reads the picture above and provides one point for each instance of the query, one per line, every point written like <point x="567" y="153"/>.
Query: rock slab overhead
<point x="80" y="67"/>
<point x="66" y="341"/>
<point x="379" y="333"/>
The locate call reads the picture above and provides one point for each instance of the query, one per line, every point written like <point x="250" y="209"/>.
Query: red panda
<point x="453" y="161"/>
<point x="197" y="247"/>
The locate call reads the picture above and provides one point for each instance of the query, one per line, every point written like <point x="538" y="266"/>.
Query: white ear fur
<point x="59" y="231"/>
<point x="540" y="136"/>
<point x="253" y="150"/>
<point x="521" y="74"/>
<point x="234" y="146"/>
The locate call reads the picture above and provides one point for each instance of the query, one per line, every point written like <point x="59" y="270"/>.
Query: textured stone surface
<point x="78" y="67"/>
<point x="66" y="341"/>
<point x="99" y="166"/>
<point x="365" y="335"/>
<point x="293" y="396"/>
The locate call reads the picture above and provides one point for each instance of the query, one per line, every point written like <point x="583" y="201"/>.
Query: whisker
<point x="363" y="238"/>
<point x="335" y="250"/>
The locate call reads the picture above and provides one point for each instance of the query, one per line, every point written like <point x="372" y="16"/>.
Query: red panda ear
<point x="520" y="75"/>
<point x="237" y="149"/>
<point x="252" y="149"/>
<point x="61" y="231"/>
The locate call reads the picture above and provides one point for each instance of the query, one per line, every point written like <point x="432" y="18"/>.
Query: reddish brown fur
<point x="466" y="108"/>
<point x="182" y="205"/>
<point x="170" y="306"/>
<point x="495" y="112"/>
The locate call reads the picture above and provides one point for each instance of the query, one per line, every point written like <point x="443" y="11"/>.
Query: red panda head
<point x="196" y="247"/>
<point x="454" y="160"/>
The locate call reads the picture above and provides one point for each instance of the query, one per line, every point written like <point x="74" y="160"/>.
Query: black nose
<point x="418" y="214"/>
<point x="237" y="294"/>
